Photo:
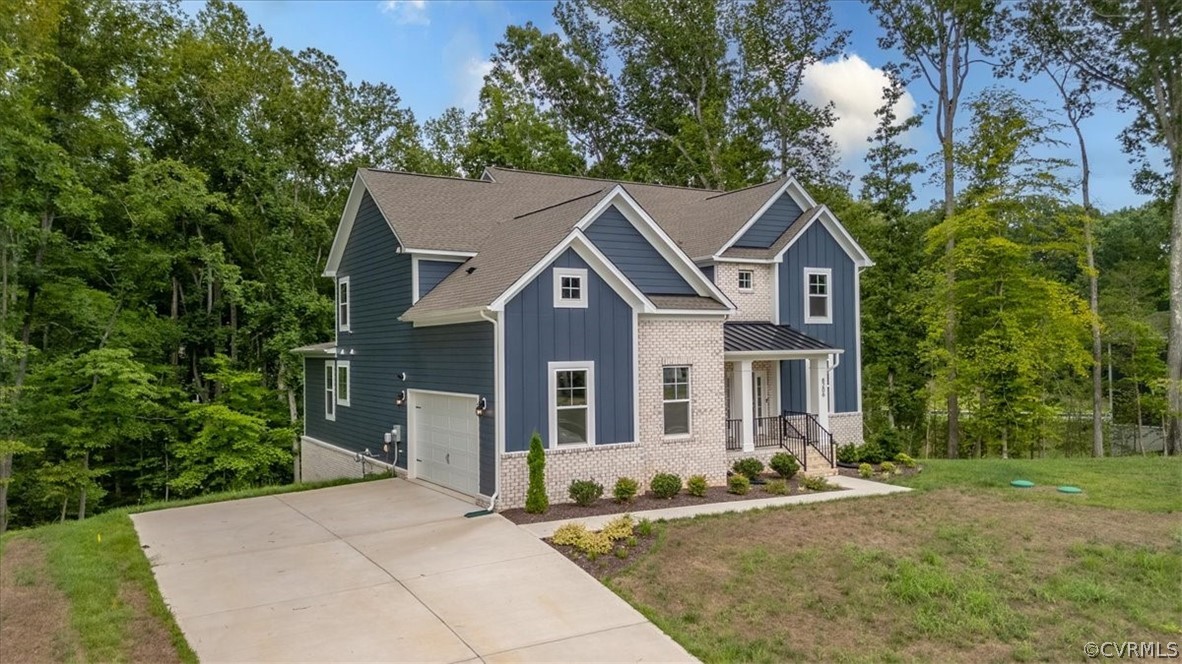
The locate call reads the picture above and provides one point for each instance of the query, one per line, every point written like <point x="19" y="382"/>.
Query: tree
<point x="1135" y="48"/>
<point x="942" y="41"/>
<point x="536" y="501"/>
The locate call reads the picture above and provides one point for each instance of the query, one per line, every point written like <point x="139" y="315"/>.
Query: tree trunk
<point x="891" y="397"/>
<point x="82" y="493"/>
<point x="947" y="101"/>
<point x="294" y="414"/>
<point x="1174" y="354"/>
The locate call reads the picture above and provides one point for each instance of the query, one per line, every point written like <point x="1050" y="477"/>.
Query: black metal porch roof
<point x="747" y="337"/>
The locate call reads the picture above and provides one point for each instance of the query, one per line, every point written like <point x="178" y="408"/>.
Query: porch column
<point x="742" y="383"/>
<point x="818" y="398"/>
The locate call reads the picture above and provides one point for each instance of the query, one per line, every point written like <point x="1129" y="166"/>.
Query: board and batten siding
<point x="629" y="251"/>
<point x="536" y="333"/>
<point x="433" y="272"/>
<point x="448" y="358"/>
<point x="771" y="224"/>
<point x="817" y="248"/>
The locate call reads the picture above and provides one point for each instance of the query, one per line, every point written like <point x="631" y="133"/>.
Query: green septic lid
<point x="1022" y="484"/>
<point x="1070" y="489"/>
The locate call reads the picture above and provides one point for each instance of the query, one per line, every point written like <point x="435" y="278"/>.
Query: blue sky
<point x="435" y="54"/>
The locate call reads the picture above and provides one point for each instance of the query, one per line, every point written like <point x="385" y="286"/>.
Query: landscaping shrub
<point x="870" y="452"/>
<point x="696" y="486"/>
<point x="887" y="468"/>
<point x="777" y="487"/>
<point x="569" y="535"/>
<point x="784" y="464"/>
<point x="665" y="485"/>
<point x="905" y="460"/>
<point x="644" y="528"/>
<point x="585" y="492"/>
<point x="536" y="501"/>
<point x="621" y="552"/>
<point x="888" y="442"/>
<point x="751" y="467"/>
<point x="738" y="485"/>
<point x="866" y="470"/>
<point x="816" y="483"/>
<point x="847" y="453"/>
<point x="619" y="528"/>
<point x="625" y="489"/>
<point x="576" y="535"/>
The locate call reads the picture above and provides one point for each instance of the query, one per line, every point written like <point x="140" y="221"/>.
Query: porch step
<point x="819" y="466"/>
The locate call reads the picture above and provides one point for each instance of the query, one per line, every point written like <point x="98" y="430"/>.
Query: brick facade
<point x="755" y="305"/>
<point x="320" y="461"/>
<point x="846" y="428"/>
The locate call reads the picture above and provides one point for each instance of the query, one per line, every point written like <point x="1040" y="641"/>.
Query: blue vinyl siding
<point x="708" y="270"/>
<point x="448" y="358"/>
<point x="817" y="248"/>
<point x="536" y="333"/>
<point x="772" y="224"/>
<point x="627" y="249"/>
<point x="433" y="272"/>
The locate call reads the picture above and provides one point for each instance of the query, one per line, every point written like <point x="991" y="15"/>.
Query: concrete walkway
<point x="381" y="571"/>
<point x="854" y="488"/>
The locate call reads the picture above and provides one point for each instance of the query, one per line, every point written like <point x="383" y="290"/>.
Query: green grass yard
<point x="964" y="569"/>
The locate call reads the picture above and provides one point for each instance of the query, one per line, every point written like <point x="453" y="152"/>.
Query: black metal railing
<point x="734" y="434"/>
<point x="815" y="435"/>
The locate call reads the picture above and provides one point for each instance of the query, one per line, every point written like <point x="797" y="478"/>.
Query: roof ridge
<point x="558" y="204"/>
<point x="619" y="182"/>
<point x="394" y="171"/>
<point x="751" y="186"/>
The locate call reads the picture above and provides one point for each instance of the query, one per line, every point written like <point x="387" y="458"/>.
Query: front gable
<point x="769" y="226"/>
<point x="634" y="255"/>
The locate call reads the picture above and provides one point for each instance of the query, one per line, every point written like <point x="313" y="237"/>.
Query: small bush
<point x="847" y="454"/>
<point x="888" y="442"/>
<point x="866" y="470"/>
<point x="870" y="452"/>
<point x="888" y="468"/>
<point x="777" y="487"/>
<point x="696" y="486"/>
<point x="576" y="535"/>
<point x="905" y="460"/>
<point x="569" y="535"/>
<point x="621" y="552"/>
<point x="625" y="489"/>
<point x="750" y="467"/>
<point x="585" y="492"/>
<point x="784" y="464"/>
<point x="665" y="485"/>
<point x="816" y="483"/>
<point x="536" y="501"/>
<point x="738" y="485"/>
<point x="631" y="541"/>
<point x="619" y="528"/>
<point x="644" y="528"/>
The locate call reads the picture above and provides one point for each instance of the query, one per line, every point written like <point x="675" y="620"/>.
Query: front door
<point x="759" y="394"/>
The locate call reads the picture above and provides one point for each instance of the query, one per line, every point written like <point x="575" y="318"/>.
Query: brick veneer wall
<point x="846" y="428"/>
<point x="320" y="461"/>
<point x="755" y="305"/>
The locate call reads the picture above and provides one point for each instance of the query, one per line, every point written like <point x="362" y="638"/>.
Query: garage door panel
<point x="446" y="440"/>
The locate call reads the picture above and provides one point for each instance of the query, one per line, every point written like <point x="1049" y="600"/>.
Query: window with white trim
<point x="343" y="304"/>
<point x="572" y="403"/>
<point x="570" y="288"/>
<point x="343" y="383"/>
<point x="675" y="385"/>
<point x="746" y="280"/>
<point x="330" y="393"/>
<point x="818" y="295"/>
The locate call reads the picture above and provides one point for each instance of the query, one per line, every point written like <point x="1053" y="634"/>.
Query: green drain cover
<point x="1070" y="489"/>
<point x="1022" y="484"/>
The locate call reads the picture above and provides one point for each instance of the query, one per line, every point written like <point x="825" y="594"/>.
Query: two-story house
<point x="637" y="328"/>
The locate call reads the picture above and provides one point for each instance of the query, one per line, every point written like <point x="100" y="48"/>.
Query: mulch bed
<point x="605" y="566"/>
<point x="901" y="471"/>
<point x="714" y="494"/>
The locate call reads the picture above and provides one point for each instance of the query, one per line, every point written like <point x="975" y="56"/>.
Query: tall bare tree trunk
<point x="1174" y="354"/>
<point x="953" y="402"/>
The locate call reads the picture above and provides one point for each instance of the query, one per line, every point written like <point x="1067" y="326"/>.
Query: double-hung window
<point x="675" y="383"/>
<point x="818" y="295"/>
<point x="343" y="304"/>
<point x="570" y="288"/>
<point x="330" y="392"/>
<point x="342" y="383"/>
<point x="572" y="403"/>
<point x="746" y="280"/>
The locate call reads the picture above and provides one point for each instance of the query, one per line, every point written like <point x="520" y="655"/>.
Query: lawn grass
<point x="105" y="582"/>
<point x="965" y="569"/>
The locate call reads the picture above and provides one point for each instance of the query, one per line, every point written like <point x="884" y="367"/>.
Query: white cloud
<point x="406" y="12"/>
<point x="471" y="80"/>
<point x="855" y="88"/>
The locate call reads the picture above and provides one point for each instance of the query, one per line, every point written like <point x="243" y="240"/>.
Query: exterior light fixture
<point x="481" y="407"/>
<point x="400" y="399"/>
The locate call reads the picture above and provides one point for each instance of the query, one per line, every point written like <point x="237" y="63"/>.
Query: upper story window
<point x="570" y="288"/>
<point x="818" y="295"/>
<point x="572" y="403"/>
<point x="343" y="304"/>
<point x="675" y="383"/>
<point x="746" y="280"/>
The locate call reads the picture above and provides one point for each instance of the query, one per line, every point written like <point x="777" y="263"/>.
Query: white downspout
<point x="492" y="502"/>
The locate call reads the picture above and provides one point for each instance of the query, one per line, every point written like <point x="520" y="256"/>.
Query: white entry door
<point x="759" y="394"/>
<point x="446" y="440"/>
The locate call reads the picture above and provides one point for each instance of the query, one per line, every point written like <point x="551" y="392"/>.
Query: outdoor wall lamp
<point x="481" y="407"/>
<point x="400" y="399"/>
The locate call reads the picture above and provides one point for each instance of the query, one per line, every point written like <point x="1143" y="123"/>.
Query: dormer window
<point x="343" y="304"/>
<point x="818" y="295"/>
<point x="746" y="280"/>
<point x="570" y="288"/>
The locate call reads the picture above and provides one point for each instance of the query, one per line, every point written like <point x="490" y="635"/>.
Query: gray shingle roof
<point x="747" y="336"/>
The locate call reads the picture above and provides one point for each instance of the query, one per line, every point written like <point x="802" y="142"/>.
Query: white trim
<point x="557" y="274"/>
<point x="345" y="226"/>
<point x="735" y="259"/>
<point x="794" y="190"/>
<point x="451" y="317"/>
<point x="635" y="375"/>
<point x="687" y="314"/>
<point x="750" y="287"/>
<point x="810" y="319"/>
<point x="552" y="369"/>
<point x="344" y="364"/>
<point x="344" y="326"/>
<point x="858" y="332"/>
<point x="330" y="394"/>
<point x="414" y="278"/>
<point x="776" y="294"/>
<point x="688" y="400"/>
<point x="843" y="238"/>
<point x="755" y="355"/>
<point x="777" y="368"/>
<point x="438" y="254"/>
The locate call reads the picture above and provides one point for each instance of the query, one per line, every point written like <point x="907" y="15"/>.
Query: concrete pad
<point x="219" y="529"/>
<point x="225" y="583"/>
<point x="380" y="505"/>
<point x="524" y="602"/>
<point x="447" y="545"/>
<point x="378" y="623"/>
<point x="635" y="643"/>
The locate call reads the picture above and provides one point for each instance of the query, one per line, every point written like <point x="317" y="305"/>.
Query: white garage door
<point x="446" y="440"/>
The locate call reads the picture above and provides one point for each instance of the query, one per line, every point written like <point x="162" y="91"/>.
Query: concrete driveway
<point x="381" y="571"/>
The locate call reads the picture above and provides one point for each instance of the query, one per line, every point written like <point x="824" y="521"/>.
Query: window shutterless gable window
<point x="675" y="383"/>
<point x="572" y="403"/>
<point x="343" y="304"/>
<point x="330" y="398"/>
<point x="818" y="295"/>
<point x="570" y="288"/>
<point x="343" y="383"/>
<point x="746" y="280"/>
